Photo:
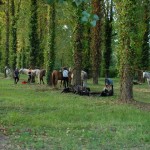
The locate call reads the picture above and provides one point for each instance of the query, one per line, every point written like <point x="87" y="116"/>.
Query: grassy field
<point x="37" y="117"/>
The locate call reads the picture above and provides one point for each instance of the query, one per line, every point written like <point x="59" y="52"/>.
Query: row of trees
<point x="95" y="35"/>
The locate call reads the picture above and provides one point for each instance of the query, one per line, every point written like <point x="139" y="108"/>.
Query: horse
<point x="41" y="75"/>
<point x="84" y="78"/>
<point x="57" y="75"/>
<point x="8" y="72"/>
<point x="147" y="76"/>
<point x="24" y="71"/>
<point x="34" y="73"/>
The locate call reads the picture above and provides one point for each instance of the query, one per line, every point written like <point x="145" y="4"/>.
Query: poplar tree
<point x="34" y="59"/>
<point x="14" y="18"/>
<point x="78" y="45"/>
<point x="145" y="46"/>
<point x="52" y="36"/>
<point x="96" y="41"/>
<point x="7" y="45"/>
<point x="129" y="43"/>
<point x="108" y="36"/>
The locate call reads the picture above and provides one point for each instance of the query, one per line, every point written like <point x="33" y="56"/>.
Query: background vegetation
<point x="103" y="37"/>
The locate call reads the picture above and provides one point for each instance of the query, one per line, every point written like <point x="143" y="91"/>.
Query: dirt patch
<point x="141" y="105"/>
<point x="5" y="143"/>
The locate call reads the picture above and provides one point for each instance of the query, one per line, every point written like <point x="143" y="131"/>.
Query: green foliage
<point x="33" y="36"/>
<point x="76" y="2"/>
<point x="108" y="39"/>
<point x="89" y="19"/>
<point x="52" y="50"/>
<point x="130" y="42"/>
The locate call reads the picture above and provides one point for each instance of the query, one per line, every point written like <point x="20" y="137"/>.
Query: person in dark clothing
<point x="108" y="89"/>
<point x="16" y="76"/>
<point x="29" y="75"/>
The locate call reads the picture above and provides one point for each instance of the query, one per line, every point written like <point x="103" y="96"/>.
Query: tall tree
<point x="145" y="46"/>
<point x="127" y="35"/>
<point x="108" y="35"/>
<point x="6" y="57"/>
<point x="96" y="40"/>
<point x="14" y="19"/>
<point x="1" y="2"/>
<point x="52" y="35"/>
<point x="78" y="35"/>
<point x="33" y="36"/>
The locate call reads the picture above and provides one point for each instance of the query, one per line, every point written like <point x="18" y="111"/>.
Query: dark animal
<point x="41" y="75"/>
<point x="81" y="90"/>
<point x="78" y="89"/>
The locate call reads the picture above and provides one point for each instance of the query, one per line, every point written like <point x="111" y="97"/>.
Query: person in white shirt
<point x="65" y="77"/>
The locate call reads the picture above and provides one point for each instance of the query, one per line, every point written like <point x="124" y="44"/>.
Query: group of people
<point x="107" y="91"/>
<point x="16" y="75"/>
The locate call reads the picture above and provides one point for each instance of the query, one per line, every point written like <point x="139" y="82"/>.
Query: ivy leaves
<point x="86" y="17"/>
<point x="89" y="18"/>
<point x="77" y="2"/>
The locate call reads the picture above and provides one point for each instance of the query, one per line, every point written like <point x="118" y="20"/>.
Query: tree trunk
<point x="7" y="36"/>
<point x="52" y="35"/>
<point x="126" y="88"/>
<point x="78" y="46"/>
<point x="13" y="51"/>
<point x="127" y="50"/>
<point x="33" y="36"/>
<point x="108" y="37"/>
<point x="126" y="71"/>
<point x="145" y="46"/>
<point x="96" y="42"/>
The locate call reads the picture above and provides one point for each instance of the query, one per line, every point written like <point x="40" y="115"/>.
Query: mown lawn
<point x="37" y="117"/>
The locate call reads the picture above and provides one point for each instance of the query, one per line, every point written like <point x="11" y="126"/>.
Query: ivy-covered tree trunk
<point x="126" y="49"/>
<point x="78" y="35"/>
<point x="1" y="2"/>
<point x="86" y="54"/>
<point x="86" y="50"/>
<point x="96" y="41"/>
<point x="52" y="35"/>
<point x="33" y="36"/>
<point x="145" y="46"/>
<point x="108" y="36"/>
<point x="13" y="51"/>
<point x="6" y="57"/>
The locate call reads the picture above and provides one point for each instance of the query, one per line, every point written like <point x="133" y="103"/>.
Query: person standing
<point x="16" y="75"/>
<point x="65" y="77"/>
<point x="29" y="75"/>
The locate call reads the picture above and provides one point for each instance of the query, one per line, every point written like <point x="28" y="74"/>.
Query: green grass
<point x="39" y="117"/>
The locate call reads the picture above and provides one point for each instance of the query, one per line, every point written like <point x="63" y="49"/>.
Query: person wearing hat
<point x="108" y="89"/>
